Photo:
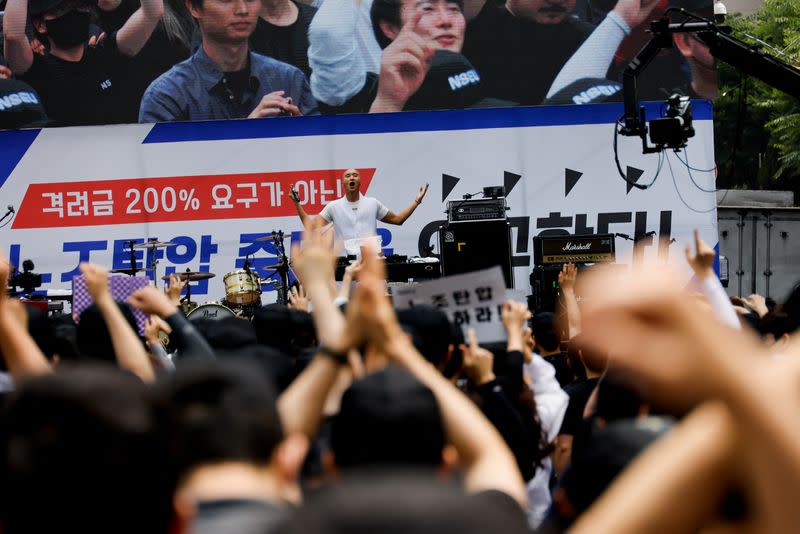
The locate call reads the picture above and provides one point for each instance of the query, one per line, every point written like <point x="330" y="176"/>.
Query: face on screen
<point x="542" y="11"/>
<point x="227" y="21"/>
<point x="441" y="21"/>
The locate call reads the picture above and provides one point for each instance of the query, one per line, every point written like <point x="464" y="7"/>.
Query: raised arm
<point x="301" y="405"/>
<point x="487" y="461"/>
<point x="338" y="68"/>
<point x="594" y="56"/>
<point x="190" y="344"/>
<point x="128" y="349"/>
<point x="399" y="218"/>
<point x="566" y="281"/>
<point x="702" y="263"/>
<point x="21" y="353"/>
<point x="17" y="48"/>
<point x="137" y="30"/>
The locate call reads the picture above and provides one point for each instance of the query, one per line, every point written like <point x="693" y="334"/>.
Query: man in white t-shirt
<point x="355" y="216"/>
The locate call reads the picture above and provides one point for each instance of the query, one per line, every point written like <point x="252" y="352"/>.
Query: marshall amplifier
<point x="559" y="249"/>
<point x="484" y="209"/>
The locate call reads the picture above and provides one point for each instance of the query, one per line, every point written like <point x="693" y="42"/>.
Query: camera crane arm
<point x="749" y="59"/>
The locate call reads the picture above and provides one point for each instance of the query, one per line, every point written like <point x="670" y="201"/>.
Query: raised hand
<point x="152" y="326"/>
<point x="314" y="261"/>
<point x="293" y="194"/>
<point x="422" y="191"/>
<point x="152" y="302"/>
<point x="634" y="12"/>
<point x="96" y="281"/>
<point x="298" y="299"/>
<point x="404" y="64"/>
<point x="567" y="277"/>
<point x="514" y="315"/>
<point x="174" y="287"/>
<point x="757" y="303"/>
<point x="669" y="347"/>
<point x="478" y="362"/>
<point x="702" y="260"/>
<point x="274" y="104"/>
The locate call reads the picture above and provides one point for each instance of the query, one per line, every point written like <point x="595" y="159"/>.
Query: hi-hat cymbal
<point x="270" y="237"/>
<point x="192" y="276"/>
<point x="155" y="244"/>
<point x="130" y="271"/>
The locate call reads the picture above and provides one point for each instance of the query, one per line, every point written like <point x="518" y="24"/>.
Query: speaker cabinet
<point x="473" y="246"/>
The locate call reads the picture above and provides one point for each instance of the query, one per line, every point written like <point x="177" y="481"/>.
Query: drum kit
<point x="243" y="287"/>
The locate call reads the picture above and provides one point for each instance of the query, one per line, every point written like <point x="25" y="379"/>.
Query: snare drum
<point x="242" y="287"/>
<point x="210" y="310"/>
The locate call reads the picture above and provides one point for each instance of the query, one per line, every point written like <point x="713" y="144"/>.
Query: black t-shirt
<point x="85" y="92"/>
<point x="285" y="43"/>
<point x="161" y="51"/>
<point x="579" y="393"/>
<point x="518" y="59"/>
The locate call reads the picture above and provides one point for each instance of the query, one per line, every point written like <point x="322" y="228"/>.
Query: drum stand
<point x="283" y="268"/>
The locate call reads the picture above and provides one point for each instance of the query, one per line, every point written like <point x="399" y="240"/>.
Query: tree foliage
<point x="757" y="127"/>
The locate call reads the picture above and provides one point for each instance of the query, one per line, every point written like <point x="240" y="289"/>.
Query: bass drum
<point x="210" y="310"/>
<point x="242" y="287"/>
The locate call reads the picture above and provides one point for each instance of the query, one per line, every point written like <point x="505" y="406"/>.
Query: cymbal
<point x="155" y="244"/>
<point x="272" y="267"/>
<point x="192" y="276"/>
<point x="130" y="271"/>
<point x="270" y="237"/>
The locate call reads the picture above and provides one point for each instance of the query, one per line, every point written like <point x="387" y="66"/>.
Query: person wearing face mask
<point x="78" y="82"/>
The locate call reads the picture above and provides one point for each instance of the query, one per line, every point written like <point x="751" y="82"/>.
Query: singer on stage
<point x="355" y="215"/>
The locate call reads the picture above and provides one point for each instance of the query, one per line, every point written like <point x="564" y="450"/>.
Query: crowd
<point x="641" y="405"/>
<point x="85" y="62"/>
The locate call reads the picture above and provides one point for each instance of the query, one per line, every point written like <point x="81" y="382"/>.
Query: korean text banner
<point x="218" y="59"/>
<point x="213" y="188"/>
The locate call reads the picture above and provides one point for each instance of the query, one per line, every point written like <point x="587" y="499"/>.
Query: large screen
<point x="74" y="62"/>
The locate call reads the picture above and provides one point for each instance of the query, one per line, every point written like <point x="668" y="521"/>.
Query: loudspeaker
<point x="544" y="288"/>
<point x="472" y="246"/>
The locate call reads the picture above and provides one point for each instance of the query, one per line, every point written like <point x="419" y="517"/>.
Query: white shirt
<point x="342" y="49"/>
<point x="352" y="220"/>
<point x="551" y="406"/>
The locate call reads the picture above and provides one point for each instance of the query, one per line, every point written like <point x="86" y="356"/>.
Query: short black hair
<point x="388" y="418"/>
<point x="92" y="335"/>
<point x="197" y="4"/>
<point x="544" y="327"/>
<point x="225" y="411"/>
<point x="389" y="11"/>
<point x="78" y="454"/>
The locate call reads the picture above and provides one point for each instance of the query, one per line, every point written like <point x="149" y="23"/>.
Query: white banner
<point x="213" y="188"/>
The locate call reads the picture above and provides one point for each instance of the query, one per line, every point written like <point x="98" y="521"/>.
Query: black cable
<point x="8" y="221"/>
<point x="691" y="177"/>
<point x="619" y="166"/>
<point x="686" y="163"/>
<point x="675" y="183"/>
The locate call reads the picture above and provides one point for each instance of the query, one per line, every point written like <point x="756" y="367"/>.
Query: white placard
<point x="471" y="300"/>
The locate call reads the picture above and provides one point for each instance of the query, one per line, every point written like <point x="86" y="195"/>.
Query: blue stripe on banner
<point x="410" y="121"/>
<point x="13" y="145"/>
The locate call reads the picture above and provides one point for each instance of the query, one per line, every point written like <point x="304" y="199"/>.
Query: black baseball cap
<point x="389" y="419"/>
<point x="452" y="83"/>
<point x="587" y="91"/>
<point x="20" y="106"/>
